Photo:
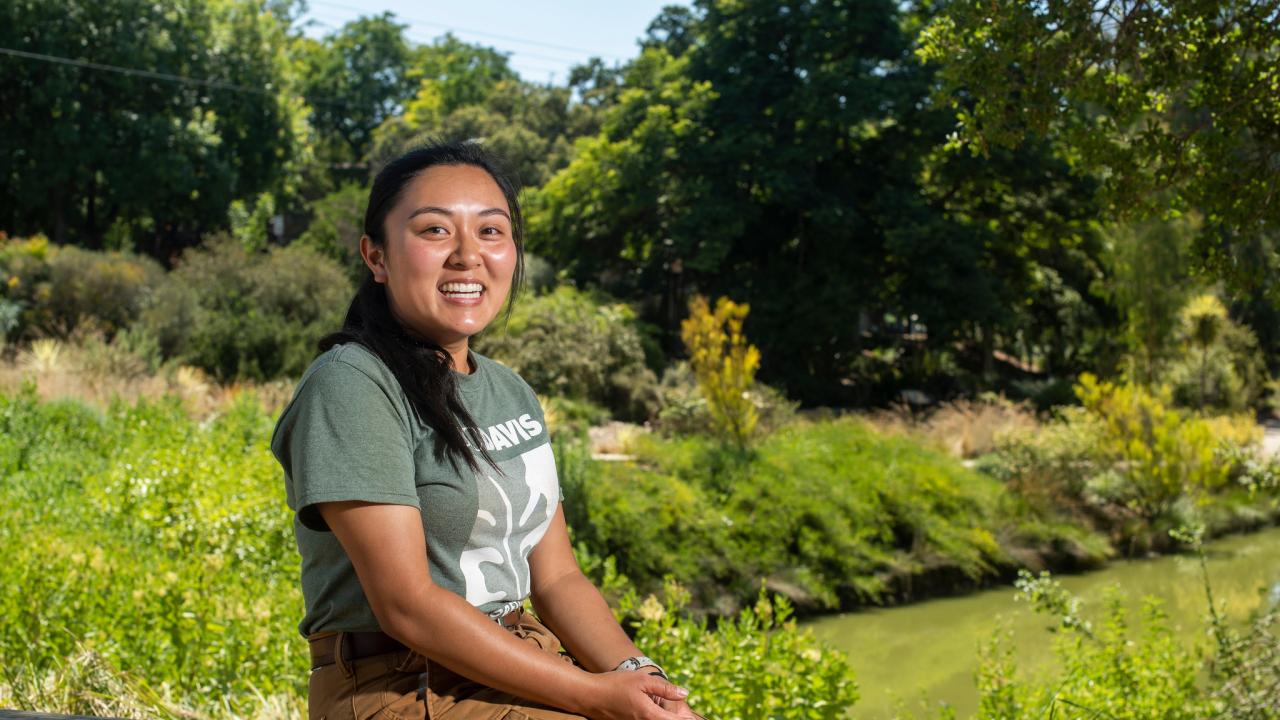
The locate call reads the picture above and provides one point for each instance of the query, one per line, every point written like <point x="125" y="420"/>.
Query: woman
<point x="426" y="500"/>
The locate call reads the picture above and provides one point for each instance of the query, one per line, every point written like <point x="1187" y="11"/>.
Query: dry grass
<point x="87" y="684"/>
<point x="93" y="373"/>
<point x="963" y="428"/>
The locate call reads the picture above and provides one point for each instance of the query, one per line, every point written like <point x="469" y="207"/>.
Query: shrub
<point x="337" y="222"/>
<point x="246" y="315"/>
<point x="1134" y="465"/>
<point x="964" y="428"/>
<point x="1112" y="671"/>
<point x="63" y="290"/>
<point x="684" y="411"/>
<point x="828" y="512"/>
<point x="581" y="346"/>
<point x="724" y="364"/>
<point x="778" y="670"/>
<point x="1161" y="452"/>
<point x="1220" y="366"/>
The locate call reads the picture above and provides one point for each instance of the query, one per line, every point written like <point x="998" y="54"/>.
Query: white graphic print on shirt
<point x="515" y="510"/>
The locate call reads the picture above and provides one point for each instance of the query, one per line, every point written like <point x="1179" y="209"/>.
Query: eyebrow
<point x="449" y="213"/>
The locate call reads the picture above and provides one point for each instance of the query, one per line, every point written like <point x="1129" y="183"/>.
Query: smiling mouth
<point x="462" y="290"/>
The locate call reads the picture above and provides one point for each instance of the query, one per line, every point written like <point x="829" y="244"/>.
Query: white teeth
<point x="468" y="288"/>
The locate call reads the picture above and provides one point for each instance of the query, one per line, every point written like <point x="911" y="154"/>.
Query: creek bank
<point x="927" y="652"/>
<point x="935" y="577"/>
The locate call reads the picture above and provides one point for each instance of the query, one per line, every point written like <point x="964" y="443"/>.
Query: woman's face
<point x="449" y="254"/>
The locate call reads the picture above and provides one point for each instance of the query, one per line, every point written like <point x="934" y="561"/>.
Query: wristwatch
<point x="639" y="661"/>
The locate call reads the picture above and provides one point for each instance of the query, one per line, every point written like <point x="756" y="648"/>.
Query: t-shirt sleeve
<point x="342" y="438"/>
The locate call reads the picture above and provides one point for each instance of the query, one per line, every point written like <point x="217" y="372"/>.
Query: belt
<point x="358" y="645"/>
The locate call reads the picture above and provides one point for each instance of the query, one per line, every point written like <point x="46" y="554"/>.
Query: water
<point x="927" y="652"/>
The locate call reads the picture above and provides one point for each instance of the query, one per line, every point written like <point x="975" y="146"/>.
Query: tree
<point x="1148" y="282"/>
<point x="469" y="92"/>
<point x="449" y="74"/>
<point x="783" y="153"/>
<point x="88" y="152"/>
<point x="354" y="80"/>
<point x="1173" y="104"/>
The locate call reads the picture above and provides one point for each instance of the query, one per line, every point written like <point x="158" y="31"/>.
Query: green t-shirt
<point x="349" y="433"/>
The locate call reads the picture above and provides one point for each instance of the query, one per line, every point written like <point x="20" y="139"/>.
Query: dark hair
<point x="422" y="367"/>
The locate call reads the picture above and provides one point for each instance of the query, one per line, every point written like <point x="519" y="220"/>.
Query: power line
<point x="154" y="75"/>
<point x="325" y="22"/>
<point x="516" y="58"/>
<point x="480" y="33"/>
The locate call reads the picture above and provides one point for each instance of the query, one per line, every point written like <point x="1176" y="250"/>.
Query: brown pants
<point x="406" y="686"/>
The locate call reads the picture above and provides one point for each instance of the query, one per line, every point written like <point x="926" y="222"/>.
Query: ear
<point x="375" y="258"/>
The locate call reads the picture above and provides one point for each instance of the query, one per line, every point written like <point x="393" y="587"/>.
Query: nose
<point x="466" y="253"/>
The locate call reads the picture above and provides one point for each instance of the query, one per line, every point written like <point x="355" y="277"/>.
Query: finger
<point x="664" y="689"/>
<point x="680" y="708"/>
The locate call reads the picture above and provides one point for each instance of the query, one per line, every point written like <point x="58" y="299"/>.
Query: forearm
<point x="447" y="629"/>
<point x="577" y="613"/>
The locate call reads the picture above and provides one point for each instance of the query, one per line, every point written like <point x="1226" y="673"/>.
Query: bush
<point x="1220" y="367"/>
<point x="1112" y="671"/>
<point x="724" y="364"/>
<point x="1161" y="452"/>
<point x="63" y="290"/>
<point x="829" y="513"/>
<point x="1135" y="466"/>
<point x="684" y="411"/>
<point x="964" y="428"/>
<point x="241" y="315"/>
<point x="581" y="346"/>
<point x="337" y="222"/>
<point x="778" y="671"/>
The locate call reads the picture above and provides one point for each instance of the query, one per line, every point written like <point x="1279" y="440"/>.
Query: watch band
<point x="639" y="661"/>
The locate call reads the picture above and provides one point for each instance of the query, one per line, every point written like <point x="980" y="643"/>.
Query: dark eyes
<point x="491" y="230"/>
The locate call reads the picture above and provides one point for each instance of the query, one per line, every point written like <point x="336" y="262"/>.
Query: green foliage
<point x="337" y="222"/>
<point x="750" y="152"/>
<point x="247" y="315"/>
<point x="1163" y="453"/>
<point x="161" y="585"/>
<point x="578" y="345"/>
<point x="684" y="409"/>
<point x="1147" y="280"/>
<point x="354" y="80"/>
<point x="94" y="149"/>
<point x="778" y="671"/>
<point x="724" y="364"/>
<point x="1220" y="367"/>
<point x="1112" y="671"/>
<point x="450" y="74"/>
<point x="1116" y="671"/>
<point x="828" y="512"/>
<point x="1131" y="464"/>
<point x="250" y="221"/>
<point x="163" y="546"/>
<point x="529" y="127"/>
<point x="65" y="289"/>
<point x="1164" y="101"/>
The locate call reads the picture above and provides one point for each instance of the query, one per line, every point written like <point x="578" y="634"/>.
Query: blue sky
<point x="544" y="38"/>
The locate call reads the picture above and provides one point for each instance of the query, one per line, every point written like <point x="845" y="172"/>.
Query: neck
<point x="458" y="352"/>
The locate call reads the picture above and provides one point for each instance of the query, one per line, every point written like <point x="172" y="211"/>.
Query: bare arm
<point x="385" y="544"/>
<point x="572" y="606"/>
<point x="576" y="612"/>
